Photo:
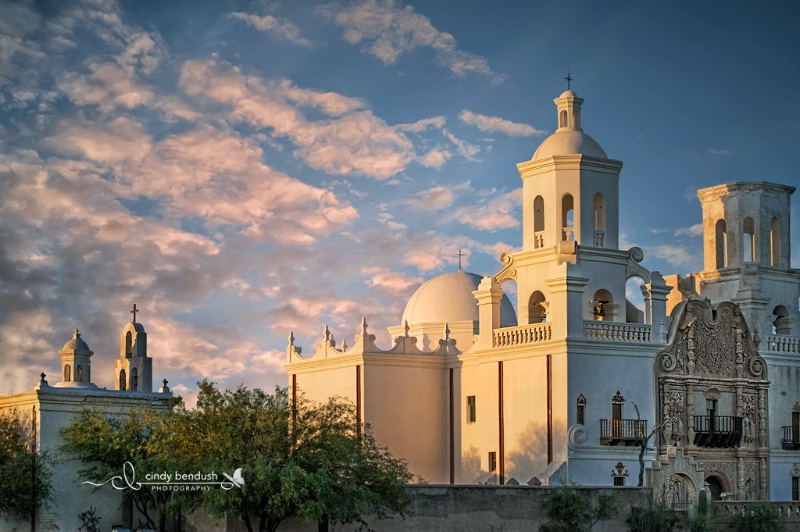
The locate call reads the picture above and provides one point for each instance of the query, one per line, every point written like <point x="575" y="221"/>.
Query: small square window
<point x="581" y="417"/>
<point x="492" y="461"/>
<point x="796" y="488"/>
<point x="619" y="481"/>
<point x="471" y="409"/>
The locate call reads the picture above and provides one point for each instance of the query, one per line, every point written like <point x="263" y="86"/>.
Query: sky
<point x="240" y="170"/>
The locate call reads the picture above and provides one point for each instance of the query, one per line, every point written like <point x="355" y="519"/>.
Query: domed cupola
<point x="569" y="138"/>
<point x="75" y="363"/>
<point x="448" y="300"/>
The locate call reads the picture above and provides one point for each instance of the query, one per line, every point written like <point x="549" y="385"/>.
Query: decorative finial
<point x="446" y="332"/>
<point x="364" y="325"/>
<point x="134" y="311"/>
<point x="76" y="334"/>
<point x="460" y="254"/>
<point x="756" y="338"/>
<point x="344" y="345"/>
<point x="569" y="80"/>
<point x="42" y="376"/>
<point x="164" y="383"/>
<point x="327" y="332"/>
<point x="406" y="327"/>
<point x="291" y="338"/>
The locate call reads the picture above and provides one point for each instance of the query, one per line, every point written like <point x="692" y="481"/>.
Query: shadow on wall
<point x="529" y="457"/>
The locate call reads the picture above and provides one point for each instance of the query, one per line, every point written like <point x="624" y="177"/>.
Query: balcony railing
<point x="524" y="334"/>
<point x="781" y="343"/>
<point x="622" y="431"/>
<point x="791" y="438"/>
<point x="599" y="239"/>
<point x="616" y="332"/>
<point x="717" y="431"/>
<point x="538" y="239"/>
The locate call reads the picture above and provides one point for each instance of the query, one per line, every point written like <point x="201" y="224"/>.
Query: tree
<point x="645" y="439"/>
<point x="106" y="442"/>
<point x="302" y="459"/>
<point x="26" y="475"/>
<point x="571" y="511"/>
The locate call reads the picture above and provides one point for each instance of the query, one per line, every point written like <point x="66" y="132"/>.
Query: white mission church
<point x="471" y="392"/>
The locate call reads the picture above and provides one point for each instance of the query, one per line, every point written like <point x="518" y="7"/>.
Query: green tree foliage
<point x="313" y="461"/>
<point x="656" y="518"/>
<point x="20" y="480"/>
<point x="106" y="442"/>
<point x="572" y="511"/>
<point x="307" y="460"/>
<point x="761" y="517"/>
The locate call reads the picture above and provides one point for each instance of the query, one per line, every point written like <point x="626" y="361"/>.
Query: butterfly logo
<point x="236" y="480"/>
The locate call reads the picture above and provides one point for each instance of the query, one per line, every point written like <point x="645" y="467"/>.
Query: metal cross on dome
<point x="460" y="254"/>
<point x="134" y="311"/>
<point x="569" y="80"/>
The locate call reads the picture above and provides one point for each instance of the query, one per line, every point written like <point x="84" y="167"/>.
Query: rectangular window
<point x="581" y="417"/>
<point x="616" y="411"/>
<point x="492" y="461"/>
<point x="796" y="488"/>
<point x="619" y="481"/>
<point x="471" y="410"/>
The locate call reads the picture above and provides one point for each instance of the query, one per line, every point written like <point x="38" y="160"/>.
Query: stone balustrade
<point x="790" y="509"/>
<point x="616" y="332"/>
<point x="781" y="343"/>
<point x="524" y="334"/>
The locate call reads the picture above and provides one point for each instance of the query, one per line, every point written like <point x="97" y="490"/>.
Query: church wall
<point x="322" y="383"/>
<point x="525" y="417"/>
<point x="55" y="410"/>
<point x="407" y="407"/>
<point x="478" y="438"/>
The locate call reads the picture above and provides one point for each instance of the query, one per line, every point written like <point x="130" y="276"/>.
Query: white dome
<point x="569" y="142"/>
<point x="448" y="298"/>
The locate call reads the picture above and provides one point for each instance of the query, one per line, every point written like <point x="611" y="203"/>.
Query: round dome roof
<point x="569" y="142"/>
<point x="448" y="298"/>
<point x="76" y="344"/>
<point x="567" y="93"/>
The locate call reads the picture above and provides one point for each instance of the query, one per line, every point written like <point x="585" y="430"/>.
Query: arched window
<point x="602" y="303"/>
<point x="781" y="321"/>
<point x="123" y="385"/>
<point x="568" y="217"/>
<point x="721" y="241"/>
<point x="537" y="308"/>
<point x="79" y="374"/>
<point x="538" y="222"/>
<point x="134" y="379"/>
<point x="563" y="119"/>
<point x="775" y="242"/>
<point x="67" y="373"/>
<point x="599" y="211"/>
<point x="128" y="344"/>
<point x="749" y="243"/>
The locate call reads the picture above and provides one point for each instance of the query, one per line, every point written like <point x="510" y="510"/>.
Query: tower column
<point x="488" y="295"/>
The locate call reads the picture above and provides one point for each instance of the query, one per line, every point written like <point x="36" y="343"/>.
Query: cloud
<point x="354" y="142"/>
<point x="432" y="199"/>
<point x="467" y="150"/>
<point x="695" y="230"/>
<point x="491" y="124"/>
<point x="390" y="281"/>
<point x="436" y="122"/>
<point x="282" y="29"/>
<point x="493" y="213"/>
<point x="435" y="158"/>
<point x="388" y="31"/>
<point x="677" y="256"/>
<point x="718" y="152"/>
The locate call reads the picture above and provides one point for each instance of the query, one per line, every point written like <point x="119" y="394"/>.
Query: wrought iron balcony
<point x="791" y="438"/>
<point x="717" y="431"/>
<point x="622" y="431"/>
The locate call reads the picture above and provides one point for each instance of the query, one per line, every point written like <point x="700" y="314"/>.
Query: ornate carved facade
<point x="712" y="397"/>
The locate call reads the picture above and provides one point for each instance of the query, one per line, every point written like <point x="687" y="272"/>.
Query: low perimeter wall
<point x="485" y="508"/>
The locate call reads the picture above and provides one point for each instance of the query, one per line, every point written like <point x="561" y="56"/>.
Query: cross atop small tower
<point x="569" y="79"/>
<point x="134" y="311"/>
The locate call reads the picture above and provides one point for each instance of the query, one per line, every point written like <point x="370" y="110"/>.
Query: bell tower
<point x="133" y="371"/>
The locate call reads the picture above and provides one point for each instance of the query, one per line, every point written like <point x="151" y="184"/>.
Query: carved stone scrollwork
<point x="577" y="436"/>
<point x="636" y="254"/>
<point x="508" y="271"/>
<point x="756" y="366"/>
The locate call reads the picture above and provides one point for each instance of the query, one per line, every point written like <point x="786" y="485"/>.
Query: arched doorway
<point x="715" y="487"/>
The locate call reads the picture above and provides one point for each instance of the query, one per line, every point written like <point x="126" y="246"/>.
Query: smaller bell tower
<point x="133" y="371"/>
<point x="76" y="364"/>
